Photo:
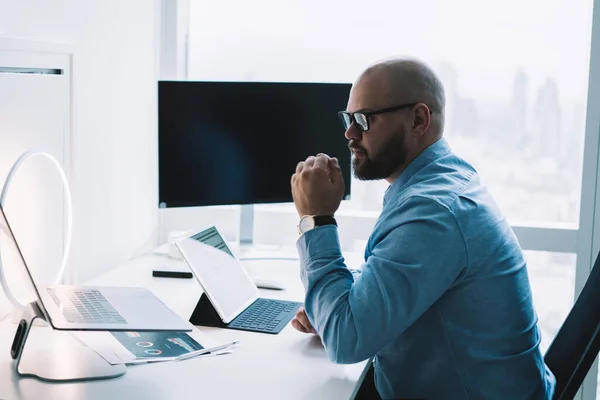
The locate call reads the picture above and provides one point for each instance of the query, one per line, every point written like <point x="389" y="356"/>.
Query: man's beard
<point x="392" y="155"/>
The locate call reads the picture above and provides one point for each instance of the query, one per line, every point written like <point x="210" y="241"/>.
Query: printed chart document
<point x="145" y="347"/>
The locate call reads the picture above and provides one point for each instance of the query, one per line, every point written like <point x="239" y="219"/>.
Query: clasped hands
<point x="317" y="185"/>
<point x="317" y="189"/>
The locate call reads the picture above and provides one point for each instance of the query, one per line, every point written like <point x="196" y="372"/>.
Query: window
<point x="516" y="85"/>
<point x="552" y="279"/>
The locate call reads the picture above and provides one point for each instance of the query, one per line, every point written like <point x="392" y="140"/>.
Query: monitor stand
<point x="245" y="240"/>
<point x="245" y="237"/>
<point x="73" y="362"/>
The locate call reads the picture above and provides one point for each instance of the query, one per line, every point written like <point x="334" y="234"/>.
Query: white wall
<point x="114" y="146"/>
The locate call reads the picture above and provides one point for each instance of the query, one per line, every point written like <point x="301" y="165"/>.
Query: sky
<point x="333" y="40"/>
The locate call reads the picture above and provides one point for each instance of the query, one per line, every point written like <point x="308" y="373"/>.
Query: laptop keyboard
<point x="266" y="315"/>
<point x="85" y="306"/>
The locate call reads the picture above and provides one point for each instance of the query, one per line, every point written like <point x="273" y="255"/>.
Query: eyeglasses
<point x="362" y="117"/>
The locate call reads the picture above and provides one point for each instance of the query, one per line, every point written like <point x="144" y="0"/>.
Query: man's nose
<point x="353" y="133"/>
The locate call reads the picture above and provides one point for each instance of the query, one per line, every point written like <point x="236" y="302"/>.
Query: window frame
<point x="588" y="241"/>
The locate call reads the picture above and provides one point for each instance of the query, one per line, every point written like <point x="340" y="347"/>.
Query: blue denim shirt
<point x="442" y="301"/>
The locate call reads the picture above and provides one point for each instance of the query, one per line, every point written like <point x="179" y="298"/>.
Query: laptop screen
<point x="16" y="273"/>
<point x="225" y="281"/>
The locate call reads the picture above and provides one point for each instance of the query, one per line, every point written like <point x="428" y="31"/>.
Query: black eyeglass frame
<point x="367" y="114"/>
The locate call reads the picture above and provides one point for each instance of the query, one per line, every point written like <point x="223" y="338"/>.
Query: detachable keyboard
<point x="81" y="305"/>
<point x="266" y="316"/>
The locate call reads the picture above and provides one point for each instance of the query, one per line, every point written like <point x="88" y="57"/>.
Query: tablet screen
<point x="212" y="238"/>
<point x="224" y="279"/>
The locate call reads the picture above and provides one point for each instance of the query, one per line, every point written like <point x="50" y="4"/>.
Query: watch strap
<point x="321" y="220"/>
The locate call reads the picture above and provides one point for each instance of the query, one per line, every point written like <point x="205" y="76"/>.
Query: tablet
<point x="226" y="282"/>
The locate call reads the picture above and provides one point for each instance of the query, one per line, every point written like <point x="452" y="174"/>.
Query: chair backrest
<point x="576" y="345"/>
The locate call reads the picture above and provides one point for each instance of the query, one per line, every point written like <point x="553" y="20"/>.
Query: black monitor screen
<point x="223" y="143"/>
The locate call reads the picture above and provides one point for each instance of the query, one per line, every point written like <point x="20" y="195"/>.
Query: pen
<point x="203" y="351"/>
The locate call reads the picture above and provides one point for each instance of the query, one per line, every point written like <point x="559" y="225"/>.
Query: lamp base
<point x="56" y="356"/>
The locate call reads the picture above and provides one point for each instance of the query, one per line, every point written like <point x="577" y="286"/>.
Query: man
<point x="442" y="301"/>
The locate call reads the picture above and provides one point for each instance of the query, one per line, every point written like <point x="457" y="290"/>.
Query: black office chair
<point x="576" y="345"/>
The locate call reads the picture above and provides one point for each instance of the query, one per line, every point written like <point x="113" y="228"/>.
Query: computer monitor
<point x="238" y="143"/>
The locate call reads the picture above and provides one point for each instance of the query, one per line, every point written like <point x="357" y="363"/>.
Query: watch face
<point x="306" y="223"/>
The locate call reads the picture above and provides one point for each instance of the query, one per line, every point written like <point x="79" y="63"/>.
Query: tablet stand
<point x="205" y="314"/>
<point x="86" y="365"/>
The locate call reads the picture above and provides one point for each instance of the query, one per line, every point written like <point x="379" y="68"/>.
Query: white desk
<point x="290" y="365"/>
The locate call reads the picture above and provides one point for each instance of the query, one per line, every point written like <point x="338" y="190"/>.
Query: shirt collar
<point x="435" y="151"/>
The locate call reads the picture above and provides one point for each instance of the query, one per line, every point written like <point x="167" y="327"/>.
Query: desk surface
<point x="290" y="365"/>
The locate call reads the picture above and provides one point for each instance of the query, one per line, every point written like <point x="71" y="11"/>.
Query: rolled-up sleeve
<point x="416" y="255"/>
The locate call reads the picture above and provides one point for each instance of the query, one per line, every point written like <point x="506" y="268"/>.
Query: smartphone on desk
<point x="165" y="273"/>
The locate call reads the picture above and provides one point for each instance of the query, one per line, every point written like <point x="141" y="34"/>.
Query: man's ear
<point x="421" y="119"/>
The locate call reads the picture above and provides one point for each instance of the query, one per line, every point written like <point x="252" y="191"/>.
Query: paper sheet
<point x="144" y="347"/>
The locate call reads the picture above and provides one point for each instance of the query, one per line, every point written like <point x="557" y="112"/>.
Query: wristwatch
<point x="308" y="222"/>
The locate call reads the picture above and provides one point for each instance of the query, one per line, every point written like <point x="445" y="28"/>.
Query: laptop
<point x="93" y="308"/>
<point x="228" y="286"/>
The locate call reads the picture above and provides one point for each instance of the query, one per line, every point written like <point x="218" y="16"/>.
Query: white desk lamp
<point x="67" y="245"/>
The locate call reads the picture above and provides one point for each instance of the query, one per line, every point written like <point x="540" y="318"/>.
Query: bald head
<point x="400" y="105"/>
<point x="406" y="80"/>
